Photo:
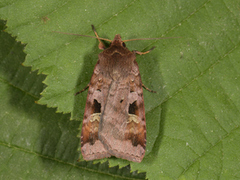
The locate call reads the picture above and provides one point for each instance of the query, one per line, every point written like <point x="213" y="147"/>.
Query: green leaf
<point x="192" y="121"/>
<point x="36" y="142"/>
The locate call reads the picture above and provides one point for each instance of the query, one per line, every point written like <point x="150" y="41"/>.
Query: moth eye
<point x="123" y="44"/>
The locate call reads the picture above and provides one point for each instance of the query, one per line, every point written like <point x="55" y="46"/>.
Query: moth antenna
<point x="150" y="38"/>
<point x="83" y="35"/>
<point x="100" y="45"/>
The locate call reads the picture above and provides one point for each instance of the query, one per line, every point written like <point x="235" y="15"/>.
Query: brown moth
<point x="114" y="118"/>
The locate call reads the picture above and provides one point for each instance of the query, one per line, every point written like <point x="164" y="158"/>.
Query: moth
<point x="114" y="121"/>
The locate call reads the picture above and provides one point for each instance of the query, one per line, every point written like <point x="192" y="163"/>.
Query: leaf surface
<point x="192" y="121"/>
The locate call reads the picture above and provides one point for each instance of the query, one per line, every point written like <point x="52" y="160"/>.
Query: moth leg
<point x="145" y="87"/>
<point x="141" y="53"/>
<point x="82" y="90"/>
<point x="101" y="45"/>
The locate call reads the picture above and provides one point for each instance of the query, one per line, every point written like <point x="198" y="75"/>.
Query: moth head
<point x="117" y="41"/>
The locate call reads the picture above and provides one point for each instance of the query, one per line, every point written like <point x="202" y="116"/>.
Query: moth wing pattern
<point x="122" y="128"/>
<point x="114" y="118"/>
<point x="91" y="147"/>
